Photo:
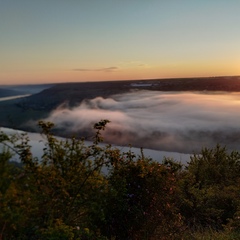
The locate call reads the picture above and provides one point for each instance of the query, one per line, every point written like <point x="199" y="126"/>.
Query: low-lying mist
<point x="169" y="121"/>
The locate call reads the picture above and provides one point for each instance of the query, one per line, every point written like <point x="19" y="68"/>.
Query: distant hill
<point x="74" y="93"/>
<point x="27" y="88"/>
<point x="47" y="97"/>
<point x="9" y="93"/>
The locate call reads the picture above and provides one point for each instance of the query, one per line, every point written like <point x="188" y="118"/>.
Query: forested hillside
<point x="9" y="92"/>
<point x="92" y="192"/>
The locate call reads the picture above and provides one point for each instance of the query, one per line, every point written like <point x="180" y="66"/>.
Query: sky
<point x="51" y="41"/>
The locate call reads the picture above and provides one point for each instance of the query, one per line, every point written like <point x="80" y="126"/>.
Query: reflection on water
<point x="14" y="97"/>
<point x="37" y="142"/>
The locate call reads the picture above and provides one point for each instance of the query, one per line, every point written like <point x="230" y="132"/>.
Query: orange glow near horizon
<point x="171" y="71"/>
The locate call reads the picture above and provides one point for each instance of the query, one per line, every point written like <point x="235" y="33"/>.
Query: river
<point x="14" y="97"/>
<point x="37" y="143"/>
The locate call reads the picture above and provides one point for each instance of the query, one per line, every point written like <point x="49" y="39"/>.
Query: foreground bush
<point x="82" y="192"/>
<point x="66" y="195"/>
<point x="210" y="188"/>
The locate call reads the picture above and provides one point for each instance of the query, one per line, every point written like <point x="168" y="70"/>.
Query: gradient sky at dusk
<point x="87" y="40"/>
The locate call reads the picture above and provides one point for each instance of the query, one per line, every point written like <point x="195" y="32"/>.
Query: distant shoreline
<point x="14" y="97"/>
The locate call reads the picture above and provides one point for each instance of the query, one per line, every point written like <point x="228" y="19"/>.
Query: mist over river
<point x="167" y="121"/>
<point x="162" y="123"/>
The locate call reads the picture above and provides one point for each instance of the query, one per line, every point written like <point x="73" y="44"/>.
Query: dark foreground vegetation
<point x="96" y="192"/>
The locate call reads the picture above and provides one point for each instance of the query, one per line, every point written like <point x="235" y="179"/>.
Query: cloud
<point x="107" y="69"/>
<point x="183" y="122"/>
<point x="130" y="64"/>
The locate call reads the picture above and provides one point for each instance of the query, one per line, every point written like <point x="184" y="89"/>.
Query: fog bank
<point x="169" y="121"/>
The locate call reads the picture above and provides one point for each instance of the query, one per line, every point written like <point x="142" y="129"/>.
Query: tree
<point x="61" y="187"/>
<point x="210" y="188"/>
<point x="141" y="202"/>
<point x="67" y="195"/>
<point x="75" y="191"/>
